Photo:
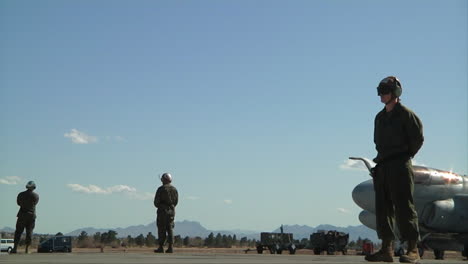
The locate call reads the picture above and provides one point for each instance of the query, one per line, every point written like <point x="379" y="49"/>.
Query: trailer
<point x="276" y="243"/>
<point x="329" y="241"/>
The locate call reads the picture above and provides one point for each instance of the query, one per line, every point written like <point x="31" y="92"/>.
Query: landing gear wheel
<point x="439" y="254"/>
<point x="399" y="252"/>
<point x="259" y="249"/>
<point x="421" y="252"/>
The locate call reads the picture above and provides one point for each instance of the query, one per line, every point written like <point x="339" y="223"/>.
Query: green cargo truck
<point x="276" y="243"/>
<point x="329" y="241"/>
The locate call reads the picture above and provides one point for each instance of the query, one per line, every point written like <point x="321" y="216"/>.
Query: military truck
<point x="56" y="244"/>
<point x="329" y="241"/>
<point x="276" y="242"/>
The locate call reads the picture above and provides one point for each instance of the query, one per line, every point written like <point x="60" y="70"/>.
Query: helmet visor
<point x="384" y="89"/>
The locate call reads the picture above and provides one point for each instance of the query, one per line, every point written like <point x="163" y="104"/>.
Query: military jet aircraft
<point x="441" y="200"/>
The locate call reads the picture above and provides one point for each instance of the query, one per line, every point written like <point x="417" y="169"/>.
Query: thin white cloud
<point x="10" y="180"/>
<point x="121" y="188"/>
<point x="87" y="189"/>
<point x="227" y="201"/>
<point x="343" y="210"/>
<point x="79" y="137"/>
<point x="350" y="164"/>
<point x="125" y="189"/>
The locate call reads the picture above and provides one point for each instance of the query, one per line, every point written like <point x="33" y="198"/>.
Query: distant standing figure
<point x="165" y="200"/>
<point x="27" y="201"/>
<point x="398" y="136"/>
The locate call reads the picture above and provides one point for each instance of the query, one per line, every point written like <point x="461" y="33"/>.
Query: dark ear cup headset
<point x="390" y="84"/>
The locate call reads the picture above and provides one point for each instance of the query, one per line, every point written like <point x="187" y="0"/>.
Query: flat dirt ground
<point x="427" y="254"/>
<point x="198" y="255"/>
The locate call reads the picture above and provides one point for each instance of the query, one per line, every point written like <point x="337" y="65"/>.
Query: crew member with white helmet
<point x="166" y="200"/>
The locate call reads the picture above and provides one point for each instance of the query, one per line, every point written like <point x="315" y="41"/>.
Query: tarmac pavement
<point x="183" y="258"/>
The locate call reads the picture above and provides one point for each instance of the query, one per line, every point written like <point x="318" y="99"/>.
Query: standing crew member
<point x="27" y="201"/>
<point x="398" y="136"/>
<point x="165" y="200"/>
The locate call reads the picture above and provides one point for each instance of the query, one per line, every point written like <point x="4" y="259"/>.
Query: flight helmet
<point x="391" y="85"/>
<point x="166" y="177"/>
<point x="31" y="185"/>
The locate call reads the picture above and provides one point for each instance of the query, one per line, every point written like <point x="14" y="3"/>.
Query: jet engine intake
<point x="449" y="215"/>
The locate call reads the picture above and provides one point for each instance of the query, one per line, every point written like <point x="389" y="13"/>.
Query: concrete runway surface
<point x="182" y="258"/>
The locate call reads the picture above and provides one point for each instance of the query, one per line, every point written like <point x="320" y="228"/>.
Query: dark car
<point x="56" y="244"/>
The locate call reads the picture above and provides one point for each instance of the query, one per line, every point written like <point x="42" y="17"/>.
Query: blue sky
<point x="253" y="106"/>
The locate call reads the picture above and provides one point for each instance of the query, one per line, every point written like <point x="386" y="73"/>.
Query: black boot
<point x="385" y="254"/>
<point x="170" y="249"/>
<point x="14" y="250"/>
<point x="159" y="250"/>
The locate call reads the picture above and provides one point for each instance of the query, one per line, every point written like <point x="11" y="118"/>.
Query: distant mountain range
<point x="7" y="230"/>
<point x="193" y="229"/>
<point x="183" y="228"/>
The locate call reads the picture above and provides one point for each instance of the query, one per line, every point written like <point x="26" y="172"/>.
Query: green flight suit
<point x="398" y="136"/>
<point x="166" y="200"/>
<point x="27" y="201"/>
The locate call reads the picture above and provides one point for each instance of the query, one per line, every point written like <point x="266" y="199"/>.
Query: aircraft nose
<point x="363" y="195"/>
